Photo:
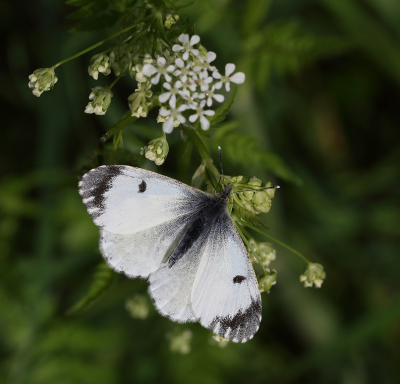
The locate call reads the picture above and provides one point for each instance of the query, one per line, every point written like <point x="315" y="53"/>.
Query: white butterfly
<point x="180" y="238"/>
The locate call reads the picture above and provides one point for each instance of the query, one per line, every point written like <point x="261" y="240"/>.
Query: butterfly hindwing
<point x="225" y="295"/>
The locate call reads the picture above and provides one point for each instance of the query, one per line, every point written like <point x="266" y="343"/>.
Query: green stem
<point x="99" y="43"/>
<point x="117" y="79"/>
<point x="205" y="155"/>
<point x="275" y="240"/>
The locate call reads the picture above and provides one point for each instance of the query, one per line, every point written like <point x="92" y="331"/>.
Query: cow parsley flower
<point x="170" y="20"/>
<point x="203" y="81"/>
<point x="161" y="69"/>
<point x="139" y="101"/>
<point x="174" y="114"/>
<point x="163" y="119"/>
<point x="201" y="113"/>
<point x="187" y="45"/>
<point x="42" y="79"/>
<point x="314" y="274"/>
<point x="205" y="64"/>
<point x="183" y="71"/>
<point x="179" y="341"/>
<point x="137" y="306"/>
<point x="267" y="281"/>
<point x="211" y="95"/>
<point x="99" y="63"/>
<point x="237" y="78"/>
<point x="101" y="99"/>
<point x="171" y="94"/>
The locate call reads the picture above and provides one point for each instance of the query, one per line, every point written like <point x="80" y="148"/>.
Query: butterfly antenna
<point x="220" y="161"/>
<point x="260" y="189"/>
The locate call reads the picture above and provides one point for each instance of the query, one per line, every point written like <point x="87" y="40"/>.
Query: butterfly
<point x="182" y="240"/>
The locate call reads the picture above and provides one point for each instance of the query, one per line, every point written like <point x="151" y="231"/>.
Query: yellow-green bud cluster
<point x="156" y="150"/>
<point x="138" y="307"/>
<point x="140" y="100"/>
<point x="262" y="253"/>
<point x="179" y="341"/>
<point x="42" y="79"/>
<point x="101" y="100"/>
<point x="253" y="201"/>
<point x="267" y="281"/>
<point x="222" y="342"/>
<point x="99" y="63"/>
<point x="170" y="20"/>
<point x="314" y="274"/>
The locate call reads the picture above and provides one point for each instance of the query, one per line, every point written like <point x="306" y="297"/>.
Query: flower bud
<point x="262" y="253"/>
<point x="137" y="306"/>
<point x="179" y="341"/>
<point x="157" y="150"/>
<point x="170" y="20"/>
<point x="42" y="79"/>
<point x="101" y="100"/>
<point x="221" y="341"/>
<point x="99" y="63"/>
<point x="314" y="274"/>
<point x="267" y="281"/>
<point x="139" y="101"/>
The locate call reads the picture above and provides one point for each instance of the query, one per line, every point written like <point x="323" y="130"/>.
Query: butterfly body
<point x="180" y="238"/>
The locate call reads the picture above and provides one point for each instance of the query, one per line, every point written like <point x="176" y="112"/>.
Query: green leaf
<point x="88" y="10"/>
<point x="103" y="279"/>
<point x="248" y="216"/>
<point x="243" y="149"/>
<point x="220" y="114"/>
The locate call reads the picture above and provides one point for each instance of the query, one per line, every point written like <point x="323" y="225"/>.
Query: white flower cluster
<point x="261" y="252"/>
<point x="189" y="82"/>
<point x="101" y="99"/>
<point x="42" y="79"/>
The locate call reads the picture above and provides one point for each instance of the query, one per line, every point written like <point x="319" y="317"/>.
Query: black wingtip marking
<point x="238" y="279"/>
<point x="142" y="186"/>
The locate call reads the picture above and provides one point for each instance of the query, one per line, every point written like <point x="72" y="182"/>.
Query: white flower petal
<point x="211" y="56"/>
<point x="194" y="39"/>
<point x="167" y="86"/>
<point x="167" y="77"/>
<point x="205" y="124"/>
<point x="238" y="78"/>
<point x="170" y="68"/>
<point x="209" y="112"/>
<point x="204" y="87"/>
<point x="216" y="75"/>
<point x="193" y="118"/>
<point x="172" y="101"/>
<point x="202" y="103"/>
<point x="149" y="70"/>
<point x="218" y="85"/>
<point x="229" y="68"/>
<point x="161" y="61"/>
<point x="179" y="62"/>
<point x="219" y="98"/>
<point x="209" y="102"/>
<point x="195" y="52"/>
<point x="228" y="87"/>
<point x="180" y="118"/>
<point x="168" y="125"/>
<point x="183" y="38"/>
<point x="182" y="108"/>
<point x="164" y="112"/>
<point x="185" y="56"/>
<point x="177" y="47"/>
<point x="164" y="97"/>
<point x="155" y="79"/>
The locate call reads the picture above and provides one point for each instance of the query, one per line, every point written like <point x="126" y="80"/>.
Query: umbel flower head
<point x="267" y="281"/>
<point x="157" y="150"/>
<point x="99" y="63"/>
<point x="42" y="79"/>
<point x="101" y="99"/>
<point x="314" y="274"/>
<point x="261" y="252"/>
<point x="253" y="201"/>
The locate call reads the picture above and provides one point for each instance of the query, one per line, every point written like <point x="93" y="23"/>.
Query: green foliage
<point x="243" y="149"/>
<point x="103" y="279"/>
<point x="221" y="113"/>
<point x="248" y="216"/>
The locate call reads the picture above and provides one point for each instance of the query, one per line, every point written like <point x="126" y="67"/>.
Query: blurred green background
<point x="322" y="91"/>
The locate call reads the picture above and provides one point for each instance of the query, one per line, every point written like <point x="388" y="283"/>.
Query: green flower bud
<point x="137" y="306"/>
<point x="170" y="20"/>
<point x="157" y="150"/>
<point x="221" y="341"/>
<point x="42" y="79"/>
<point x="262" y="253"/>
<point x="99" y="63"/>
<point x="179" y="341"/>
<point x="139" y="101"/>
<point x="101" y="100"/>
<point x="267" y="281"/>
<point x="314" y="274"/>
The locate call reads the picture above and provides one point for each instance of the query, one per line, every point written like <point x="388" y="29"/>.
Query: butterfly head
<point x="224" y="195"/>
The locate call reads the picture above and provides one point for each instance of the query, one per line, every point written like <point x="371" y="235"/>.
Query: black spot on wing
<point x="95" y="184"/>
<point x="142" y="186"/>
<point x="238" y="279"/>
<point x="242" y="326"/>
